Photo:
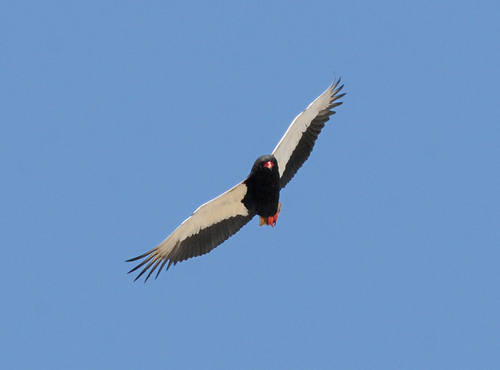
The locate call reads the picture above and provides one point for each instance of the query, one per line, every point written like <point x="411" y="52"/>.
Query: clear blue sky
<point x="119" y="118"/>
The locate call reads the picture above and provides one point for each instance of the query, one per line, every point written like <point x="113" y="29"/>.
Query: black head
<point x="265" y="164"/>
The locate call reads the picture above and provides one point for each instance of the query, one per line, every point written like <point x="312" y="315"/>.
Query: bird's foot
<point x="271" y="220"/>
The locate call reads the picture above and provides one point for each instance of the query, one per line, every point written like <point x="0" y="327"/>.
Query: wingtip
<point x="335" y="82"/>
<point x="338" y="89"/>
<point x="161" y="267"/>
<point x="151" y="257"/>
<point x="335" y="89"/>
<point x="139" y="257"/>
<point x="153" y="268"/>
<point x="335" y="96"/>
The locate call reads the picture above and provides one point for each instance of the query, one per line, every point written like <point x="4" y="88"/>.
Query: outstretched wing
<point x="210" y="225"/>
<point x="296" y="145"/>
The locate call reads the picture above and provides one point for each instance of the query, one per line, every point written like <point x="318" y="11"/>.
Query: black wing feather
<point x="306" y="142"/>
<point x="195" y="245"/>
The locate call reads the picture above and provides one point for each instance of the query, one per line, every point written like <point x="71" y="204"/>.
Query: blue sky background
<point x="119" y="118"/>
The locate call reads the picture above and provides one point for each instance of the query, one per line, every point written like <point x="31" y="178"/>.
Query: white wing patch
<point x="299" y="125"/>
<point x="210" y="225"/>
<point x="224" y="206"/>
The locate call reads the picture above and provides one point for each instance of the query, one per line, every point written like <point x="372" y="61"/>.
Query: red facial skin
<point x="269" y="164"/>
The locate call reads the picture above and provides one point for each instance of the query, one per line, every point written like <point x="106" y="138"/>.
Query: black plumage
<point x="263" y="190"/>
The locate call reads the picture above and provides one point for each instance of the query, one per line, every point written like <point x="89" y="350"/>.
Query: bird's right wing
<point x="210" y="225"/>
<point x="296" y="145"/>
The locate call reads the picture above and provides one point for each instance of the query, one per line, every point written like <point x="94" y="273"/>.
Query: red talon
<point x="271" y="220"/>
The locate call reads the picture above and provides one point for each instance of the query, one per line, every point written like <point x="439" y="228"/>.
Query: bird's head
<point x="265" y="163"/>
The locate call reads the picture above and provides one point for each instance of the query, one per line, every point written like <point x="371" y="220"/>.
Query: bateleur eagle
<point x="215" y="221"/>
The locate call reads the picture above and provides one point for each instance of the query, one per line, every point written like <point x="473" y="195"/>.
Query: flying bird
<point x="215" y="221"/>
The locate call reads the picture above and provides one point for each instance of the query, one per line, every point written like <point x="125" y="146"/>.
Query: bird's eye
<point x="268" y="164"/>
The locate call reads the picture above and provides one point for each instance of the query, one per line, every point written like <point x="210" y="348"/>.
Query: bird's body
<point x="263" y="187"/>
<point x="215" y="221"/>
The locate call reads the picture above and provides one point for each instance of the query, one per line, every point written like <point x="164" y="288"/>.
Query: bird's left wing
<point x="296" y="145"/>
<point x="210" y="225"/>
